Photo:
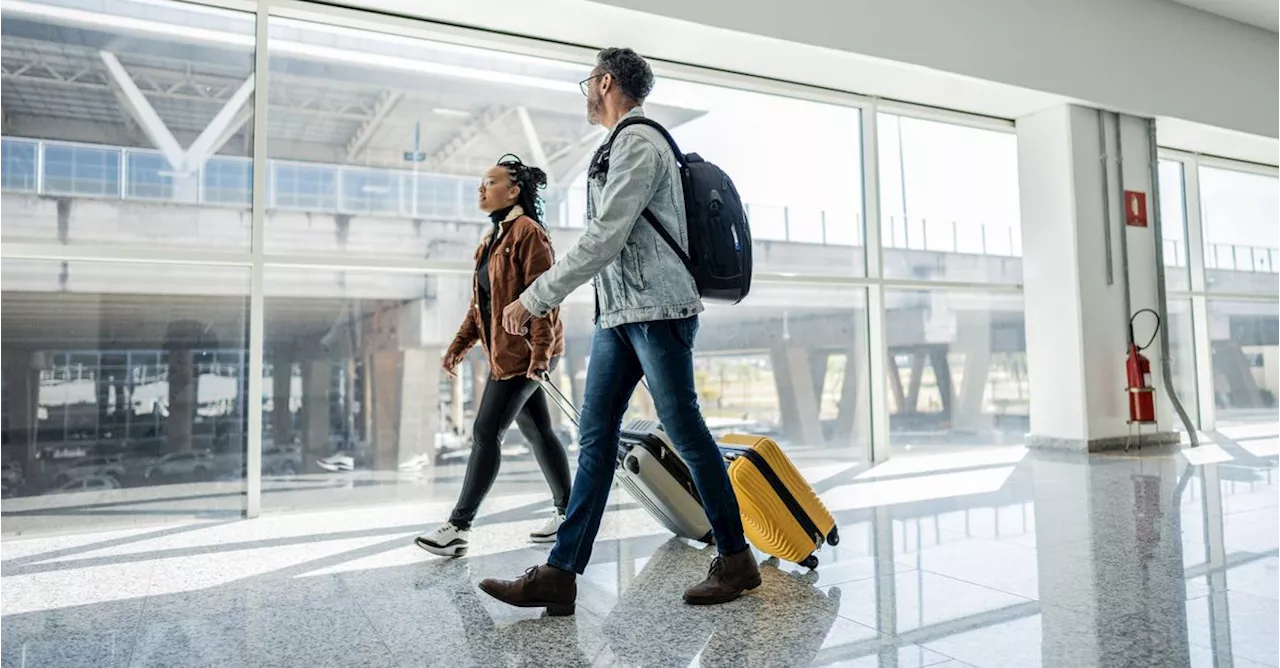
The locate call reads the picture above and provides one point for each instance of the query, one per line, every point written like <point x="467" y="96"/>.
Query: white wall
<point x="1076" y="322"/>
<point x="1149" y="57"/>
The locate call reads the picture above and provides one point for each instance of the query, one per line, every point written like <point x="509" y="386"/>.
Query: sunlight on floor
<point x="1206" y="453"/>
<point x="872" y="493"/>
<point x="907" y="464"/>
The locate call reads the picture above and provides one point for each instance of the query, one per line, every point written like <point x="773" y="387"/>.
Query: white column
<point x="1077" y="327"/>
<point x="973" y="339"/>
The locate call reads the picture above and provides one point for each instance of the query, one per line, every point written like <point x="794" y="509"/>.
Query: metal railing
<point x="97" y="171"/>
<point x="942" y="236"/>
<point x="1226" y="257"/>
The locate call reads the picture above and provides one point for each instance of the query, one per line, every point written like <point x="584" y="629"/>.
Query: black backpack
<point x="719" y="255"/>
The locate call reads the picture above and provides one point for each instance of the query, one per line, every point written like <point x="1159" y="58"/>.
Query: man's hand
<point x="514" y="318"/>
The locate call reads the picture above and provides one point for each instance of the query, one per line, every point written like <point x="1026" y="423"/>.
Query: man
<point x="647" y="310"/>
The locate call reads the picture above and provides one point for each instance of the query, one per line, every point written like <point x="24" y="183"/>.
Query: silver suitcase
<point x="651" y="471"/>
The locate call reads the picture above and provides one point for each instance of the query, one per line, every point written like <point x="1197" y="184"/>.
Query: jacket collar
<point x="636" y="112"/>
<point x="513" y="214"/>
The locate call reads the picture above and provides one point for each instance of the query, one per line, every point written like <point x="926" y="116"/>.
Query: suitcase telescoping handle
<point x="565" y="403"/>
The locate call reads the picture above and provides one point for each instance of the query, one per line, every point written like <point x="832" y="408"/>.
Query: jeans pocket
<point x="686" y="330"/>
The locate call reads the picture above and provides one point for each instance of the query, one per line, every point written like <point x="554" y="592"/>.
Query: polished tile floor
<point x="987" y="557"/>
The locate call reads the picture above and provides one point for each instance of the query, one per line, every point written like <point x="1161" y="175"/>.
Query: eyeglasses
<point x="585" y="84"/>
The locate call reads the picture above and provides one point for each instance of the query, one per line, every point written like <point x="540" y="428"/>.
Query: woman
<point x="512" y="254"/>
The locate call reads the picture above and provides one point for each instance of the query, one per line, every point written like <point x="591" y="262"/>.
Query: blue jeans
<point x="662" y="352"/>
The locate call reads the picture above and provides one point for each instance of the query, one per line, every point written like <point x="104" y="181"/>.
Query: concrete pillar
<point x="847" y="405"/>
<point x="182" y="339"/>
<point x="316" y="378"/>
<point x="973" y="340"/>
<point x="22" y="376"/>
<point x="818" y="362"/>
<point x="793" y="378"/>
<point x="943" y="378"/>
<point x="419" y="404"/>
<point x="1077" y="327"/>
<point x="855" y="391"/>
<point x="916" y="380"/>
<point x="384" y="379"/>
<point x="1098" y="549"/>
<point x="102" y="395"/>
<point x="182" y="400"/>
<point x="405" y="408"/>
<point x="281" y="394"/>
<point x="894" y="372"/>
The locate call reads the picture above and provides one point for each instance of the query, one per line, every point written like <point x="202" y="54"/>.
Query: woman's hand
<point x="537" y="370"/>
<point x="450" y="364"/>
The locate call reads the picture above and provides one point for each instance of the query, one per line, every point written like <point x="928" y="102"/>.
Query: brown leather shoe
<point x="541" y="587"/>
<point x="728" y="578"/>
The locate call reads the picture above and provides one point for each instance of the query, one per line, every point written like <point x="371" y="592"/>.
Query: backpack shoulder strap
<point x="647" y="214"/>
<point x="642" y="120"/>
<point x="671" y="241"/>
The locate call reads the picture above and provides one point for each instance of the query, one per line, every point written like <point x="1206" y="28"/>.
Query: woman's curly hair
<point x="531" y="180"/>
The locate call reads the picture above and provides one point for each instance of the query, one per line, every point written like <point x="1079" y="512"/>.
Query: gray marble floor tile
<point x="105" y="648"/>
<point x="1243" y="622"/>
<point x="257" y="594"/>
<point x="1257" y="578"/>
<point x="1075" y="561"/>
<point x="1205" y="657"/>
<point x="449" y="622"/>
<point x="277" y="635"/>
<point x="81" y="619"/>
<point x="1001" y="566"/>
<point x="852" y="644"/>
<point x="999" y="643"/>
<point x="920" y="599"/>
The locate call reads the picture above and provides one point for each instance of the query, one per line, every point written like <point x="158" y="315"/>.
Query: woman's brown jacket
<point x="521" y="254"/>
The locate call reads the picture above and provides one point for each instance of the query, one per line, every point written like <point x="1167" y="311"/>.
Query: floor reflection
<point x="1011" y="558"/>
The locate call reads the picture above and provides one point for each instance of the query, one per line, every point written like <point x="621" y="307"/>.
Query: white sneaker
<point x="447" y="541"/>
<point x="547" y="534"/>
<point x="337" y="463"/>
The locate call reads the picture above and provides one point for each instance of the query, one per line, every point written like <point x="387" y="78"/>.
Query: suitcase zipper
<point x="788" y="499"/>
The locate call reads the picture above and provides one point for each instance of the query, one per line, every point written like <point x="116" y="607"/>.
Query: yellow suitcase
<point x="781" y="513"/>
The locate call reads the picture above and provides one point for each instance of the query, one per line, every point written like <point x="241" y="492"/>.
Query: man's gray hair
<point x="629" y="69"/>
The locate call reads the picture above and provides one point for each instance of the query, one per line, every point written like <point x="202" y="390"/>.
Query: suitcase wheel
<point x="633" y="465"/>
<point x="833" y="538"/>
<point x="810" y="562"/>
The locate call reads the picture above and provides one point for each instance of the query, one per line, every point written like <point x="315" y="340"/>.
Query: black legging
<point x="521" y="400"/>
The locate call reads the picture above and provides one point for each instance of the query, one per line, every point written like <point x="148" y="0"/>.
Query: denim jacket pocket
<point x="633" y="266"/>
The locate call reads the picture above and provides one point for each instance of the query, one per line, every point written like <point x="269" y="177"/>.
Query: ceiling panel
<point x="1261" y="13"/>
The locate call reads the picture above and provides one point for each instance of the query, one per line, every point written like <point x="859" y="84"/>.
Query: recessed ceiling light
<point x="451" y="112"/>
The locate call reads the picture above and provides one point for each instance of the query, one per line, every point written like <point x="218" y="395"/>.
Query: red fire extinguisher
<point x="1142" y="402"/>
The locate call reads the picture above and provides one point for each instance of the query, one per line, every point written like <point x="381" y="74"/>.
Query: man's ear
<point x="606" y="83"/>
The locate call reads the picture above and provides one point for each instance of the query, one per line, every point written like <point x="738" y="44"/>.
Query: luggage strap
<point x="788" y="499"/>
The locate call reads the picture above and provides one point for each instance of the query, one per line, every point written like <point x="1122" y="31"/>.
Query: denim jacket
<point x="637" y="277"/>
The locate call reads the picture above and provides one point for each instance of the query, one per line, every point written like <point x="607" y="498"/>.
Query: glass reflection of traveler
<point x="514" y="252"/>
